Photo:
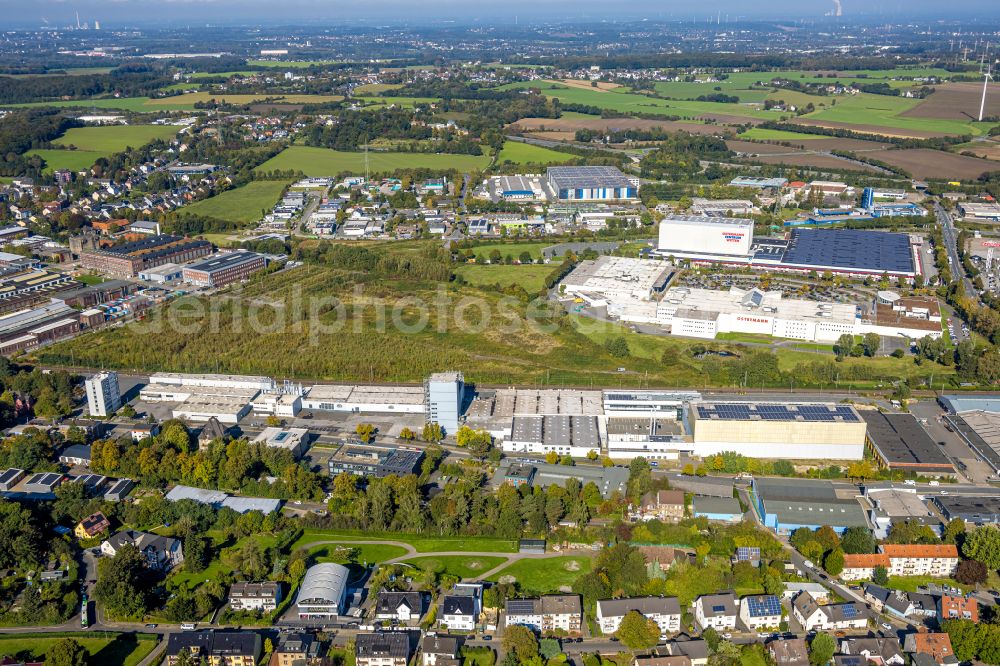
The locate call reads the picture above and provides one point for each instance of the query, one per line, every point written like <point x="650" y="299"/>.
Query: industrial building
<point x="530" y="187"/>
<point x="219" y="499"/>
<point x="785" y="505"/>
<point x="706" y="238"/>
<point x="591" y="183"/>
<point x="29" y="328"/>
<point x="891" y="504"/>
<point x="444" y="393"/>
<point x="129" y="259"/>
<point x="980" y="212"/>
<point x="722" y="207"/>
<point x="851" y="251"/>
<point x="323" y="592"/>
<point x="375" y="461"/>
<point x="789" y="431"/>
<point x="626" y="286"/>
<point x="364" y="399"/>
<point x="563" y="435"/>
<point x="650" y="437"/>
<point x="103" y="394"/>
<point x="609" y="480"/>
<point x="292" y="440"/>
<point x="224" y="269"/>
<point x="704" y="313"/>
<point x="898" y="443"/>
<point x="973" y="509"/>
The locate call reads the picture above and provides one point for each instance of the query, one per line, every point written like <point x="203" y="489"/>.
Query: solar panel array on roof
<point x="850" y="249"/>
<point x="718" y="608"/>
<point x="521" y="607"/>
<point x="763" y="606"/>
<point x="747" y="553"/>
<point x="771" y="412"/>
<point x="587" y="177"/>
<point x="850" y="611"/>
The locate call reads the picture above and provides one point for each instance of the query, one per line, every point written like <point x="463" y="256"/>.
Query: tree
<point x="983" y="544"/>
<point x="407" y="434"/>
<point x="521" y="641"/>
<point x="954" y="531"/>
<point x="834" y="562"/>
<point x="871" y="343"/>
<point x="365" y="432"/>
<point x="122" y="583"/>
<point x="272" y="421"/>
<point x="857" y="540"/>
<point x="821" y="649"/>
<point x="617" y="347"/>
<point x="67" y="652"/>
<point x="844" y="345"/>
<point x="432" y="433"/>
<point x="965" y="638"/>
<point x="478" y="442"/>
<point x="827" y="538"/>
<point x="971" y="572"/>
<point x="881" y="576"/>
<point x="638" y="632"/>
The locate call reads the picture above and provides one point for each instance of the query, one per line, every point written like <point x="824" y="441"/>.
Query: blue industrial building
<point x="784" y="505"/>
<point x="590" y="183"/>
<point x="724" y="509"/>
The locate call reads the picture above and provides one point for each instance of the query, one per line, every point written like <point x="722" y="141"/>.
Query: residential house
<point x="861" y="566"/>
<point x="141" y="431"/>
<point x="812" y="616"/>
<point x="963" y="608"/>
<point x="255" y="596"/>
<point x="760" y="611"/>
<point x="161" y="553"/>
<point x="695" y="649"/>
<point x="936" y="645"/>
<point x="890" y="601"/>
<point x="554" y="612"/>
<point x="440" y="650"/>
<point x="297" y="649"/>
<point x="666" y="505"/>
<point x="460" y="609"/>
<point x="399" y="607"/>
<point x="789" y="652"/>
<point x="665" y="611"/>
<point x="217" y="648"/>
<point x="383" y="648"/>
<point x="76" y="454"/>
<point x="679" y="660"/>
<point x="91" y="526"/>
<point x="924" y="605"/>
<point x="879" y="650"/>
<point x="934" y="560"/>
<point x="718" y="611"/>
<point x="749" y="554"/>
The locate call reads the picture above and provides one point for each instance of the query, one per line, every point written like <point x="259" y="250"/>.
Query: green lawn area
<point x="457" y="565"/>
<point x="517" y="152"/>
<point x="137" y="104"/>
<point x="184" y="102"/>
<point x="74" y="160"/>
<point x="325" y="162"/>
<point x="747" y="337"/>
<point x="422" y="544"/>
<point x="403" y="102"/>
<point x="216" y="569"/>
<point x="911" y="583"/>
<point x="548" y="574"/>
<point x="366" y="552"/>
<point x="243" y="204"/>
<point x="90" y="279"/>
<point x="513" y="249"/>
<point x="215" y="75"/>
<point x="531" y="277"/>
<point x="114" y="138"/>
<point x="104" y="648"/>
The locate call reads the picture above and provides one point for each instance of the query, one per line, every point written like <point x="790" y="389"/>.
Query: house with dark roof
<point x="161" y="553"/>
<point x="665" y="611"/>
<point x="843" y="616"/>
<point x="553" y="612"/>
<point x="297" y="649"/>
<point x="234" y="648"/>
<point x="399" y="607"/>
<point x="695" y="649"/>
<point x="460" y="610"/>
<point x="789" y="652"/>
<point x="883" y="651"/>
<point x="440" y="650"/>
<point x="382" y="648"/>
<point x="91" y="526"/>
<point x="718" y="611"/>
<point x="666" y="505"/>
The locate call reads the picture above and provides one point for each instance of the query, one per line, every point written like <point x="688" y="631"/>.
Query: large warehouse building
<point x="591" y="183"/>
<point x="789" y="431"/>
<point x="706" y="238"/>
<point x="898" y="443"/>
<point x="785" y="505"/>
<point x="223" y="269"/>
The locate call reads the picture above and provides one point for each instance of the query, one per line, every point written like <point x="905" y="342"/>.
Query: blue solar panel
<point x="850" y="611"/>
<point x="764" y="606"/>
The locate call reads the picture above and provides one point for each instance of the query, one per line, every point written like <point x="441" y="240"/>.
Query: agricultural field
<point x="926" y="163"/>
<point x="548" y="574"/>
<point x="114" y="138"/>
<point x="813" y="160"/>
<point x="402" y="102"/>
<point x="880" y="114"/>
<point x="104" y="647"/>
<point x="291" y="64"/>
<point x="988" y="150"/>
<point x="376" y="88"/>
<point x="183" y="102"/>
<point x="531" y="277"/>
<point x="571" y="122"/>
<point x="325" y="162"/>
<point x="518" y="152"/>
<point x="74" y="160"/>
<point x="956" y="101"/>
<point x="762" y="134"/>
<point x="243" y="204"/>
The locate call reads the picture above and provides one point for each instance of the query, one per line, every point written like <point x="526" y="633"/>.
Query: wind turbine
<point x="987" y="73"/>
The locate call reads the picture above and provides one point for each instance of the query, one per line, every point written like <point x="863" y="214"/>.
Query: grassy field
<point x="376" y="88"/>
<point x="184" y="102"/>
<point x="366" y="552"/>
<point x="911" y="583"/>
<point x="91" y="279"/>
<point x="404" y="102"/>
<point x="109" y="649"/>
<point x="531" y="277"/>
<point x="457" y="565"/>
<point x="114" y="138"/>
<point x="243" y="204"/>
<point x="325" y="162"/>
<point x="513" y="249"/>
<point x="74" y="160"/>
<point x="422" y="544"/>
<point x="526" y="153"/>
<point x="547" y="575"/>
<point x="777" y="135"/>
<point x="137" y="104"/>
<point x="291" y="64"/>
<point x="884" y="111"/>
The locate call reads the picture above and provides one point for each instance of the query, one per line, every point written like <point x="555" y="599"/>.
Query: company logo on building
<point x="733" y="237"/>
<point x="754" y="320"/>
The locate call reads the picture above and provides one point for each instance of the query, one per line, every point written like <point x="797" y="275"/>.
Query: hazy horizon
<point x="430" y="12"/>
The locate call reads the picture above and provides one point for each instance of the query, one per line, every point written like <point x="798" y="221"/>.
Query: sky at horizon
<point x="264" y="12"/>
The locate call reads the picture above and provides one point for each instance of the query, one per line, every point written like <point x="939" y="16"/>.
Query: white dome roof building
<point x="323" y="591"/>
